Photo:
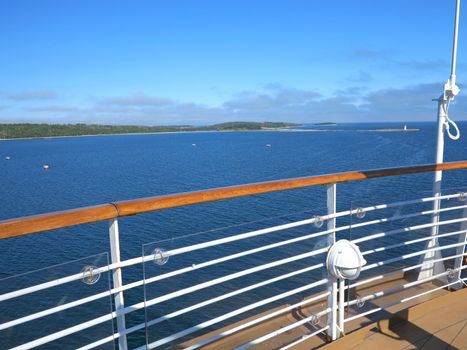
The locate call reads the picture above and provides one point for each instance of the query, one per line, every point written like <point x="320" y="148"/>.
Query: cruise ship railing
<point x="283" y="271"/>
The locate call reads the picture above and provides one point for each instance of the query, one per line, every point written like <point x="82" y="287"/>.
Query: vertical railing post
<point x="430" y="269"/>
<point x="117" y="281"/>
<point x="450" y="91"/>
<point x="341" y="305"/>
<point x="458" y="262"/>
<point x="333" y="332"/>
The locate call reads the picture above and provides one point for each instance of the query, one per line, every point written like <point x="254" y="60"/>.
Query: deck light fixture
<point x="344" y="260"/>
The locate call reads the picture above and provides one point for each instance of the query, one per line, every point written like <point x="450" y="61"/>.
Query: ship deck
<point x="390" y="305"/>
<point x="440" y="323"/>
<point x="400" y="326"/>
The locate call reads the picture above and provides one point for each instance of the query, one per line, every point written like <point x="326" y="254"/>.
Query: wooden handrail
<point x="50" y="221"/>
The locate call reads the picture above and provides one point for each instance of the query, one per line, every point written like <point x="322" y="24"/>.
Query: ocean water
<point x="93" y="170"/>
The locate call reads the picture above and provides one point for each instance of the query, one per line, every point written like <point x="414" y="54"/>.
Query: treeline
<point x="249" y="126"/>
<point x="26" y="130"/>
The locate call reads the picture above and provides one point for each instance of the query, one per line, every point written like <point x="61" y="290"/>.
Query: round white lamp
<point x="344" y="260"/>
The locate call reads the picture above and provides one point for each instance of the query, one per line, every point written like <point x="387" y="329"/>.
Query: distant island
<point x="325" y="124"/>
<point x="26" y="130"/>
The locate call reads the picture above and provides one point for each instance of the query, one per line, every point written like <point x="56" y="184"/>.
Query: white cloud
<point x="276" y="103"/>
<point x="34" y="95"/>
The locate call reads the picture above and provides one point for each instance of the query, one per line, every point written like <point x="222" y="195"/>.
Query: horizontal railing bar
<point x="231" y="314"/>
<point x="271" y="246"/>
<point x="283" y="330"/>
<point x="295" y="224"/>
<point x="401" y="287"/>
<point x="303" y="338"/>
<point x="406" y="202"/>
<point x="237" y="255"/>
<point x="65" y="332"/>
<point x="406" y="216"/>
<point x="398" y="271"/>
<point x="137" y="260"/>
<point x="214" y="300"/>
<point x="402" y="300"/>
<point x="113" y="337"/>
<point x="411" y="255"/>
<point x="99" y="342"/>
<point x="406" y="243"/>
<point x="407" y="229"/>
<point x="237" y="237"/>
<point x="59" y="219"/>
<point x="53" y="310"/>
<point x="49" y="284"/>
<point x="257" y="321"/>
<point x="231" y="294"/>
<point x="139" y="283"/>
<point x="38" y="223"/>
<point x="138" y="206"/>
<point x="107" y="317"/>
<point x="218" y="280"/>
<point x="274" y="229"/>
<point x="191" y="308"/>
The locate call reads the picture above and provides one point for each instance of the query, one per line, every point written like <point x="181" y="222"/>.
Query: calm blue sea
<point x="93" y="170"/>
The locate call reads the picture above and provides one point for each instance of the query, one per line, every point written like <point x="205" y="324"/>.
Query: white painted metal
<point x="139" y="260"/>
<point x="458" y="263"/>
<point x="418" y="240"/>
<point x="114" y="238"/>
<point x="400" y="301"/>
<point x="232" y="276"/>
<point x="406" y="216"/>
<point x="341" y="305"/>
<point x="72" y="304"/>
<point x="397" y="272"/>
<point x="258" y="320"/>
<point x="303" y="338"/>
<point x="208" y="302"/>
<point x="411" y="255"/>
<point x="63" y="333"/>
<point x="449" y="92"/>
<point x="454" y="44"/>
<point x="53" y="310"/>
<point x="406" y="229"/>
<point x="229" y="295"/>
<point x="344" y="260"/>
<point x="239" y="311"/>
<point x="332" y="284"/>
<point x="234" y="256"/>
<point x="398" y="288"/>
<point x="283" y="330"/>
<point x="334" y="305"/>
<point x="139" y="283"/>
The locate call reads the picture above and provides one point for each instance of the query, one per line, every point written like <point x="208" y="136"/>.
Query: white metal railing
<point x="333" y="293"/>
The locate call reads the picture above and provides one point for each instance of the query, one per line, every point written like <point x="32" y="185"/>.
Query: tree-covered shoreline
<point x="28" y="130"/>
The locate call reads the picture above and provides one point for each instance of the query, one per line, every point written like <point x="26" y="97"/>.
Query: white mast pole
<point x="450" y="91"/>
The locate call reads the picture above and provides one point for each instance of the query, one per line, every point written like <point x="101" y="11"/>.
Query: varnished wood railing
<point x="50" y="221"/>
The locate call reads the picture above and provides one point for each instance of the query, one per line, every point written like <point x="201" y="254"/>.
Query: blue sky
<point x="200" y="62"/>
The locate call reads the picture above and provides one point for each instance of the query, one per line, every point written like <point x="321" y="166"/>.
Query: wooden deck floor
<point x="368" y="327"/>
<point x="440" y="323"/>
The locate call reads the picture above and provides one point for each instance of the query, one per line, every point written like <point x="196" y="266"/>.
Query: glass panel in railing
<point x="391" y="237"/>
<point x="214" y="288"/>
<point x="413" y="251"/>
<point x="451" y="235"/>
<point x="60" y="307"/>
